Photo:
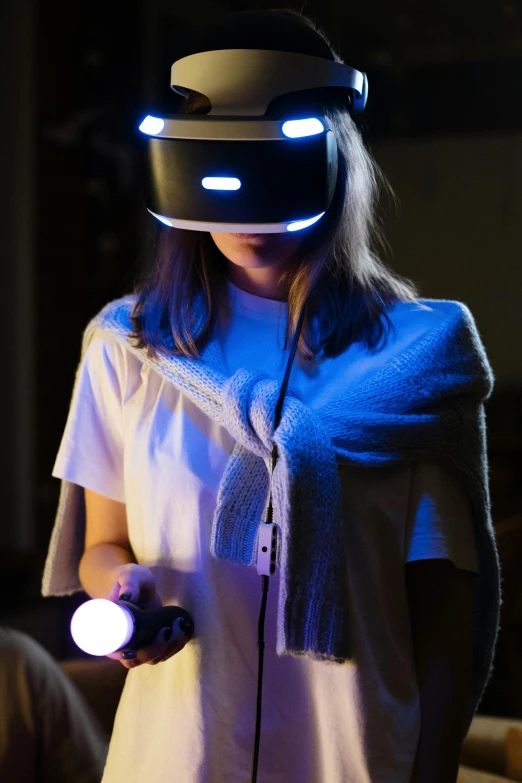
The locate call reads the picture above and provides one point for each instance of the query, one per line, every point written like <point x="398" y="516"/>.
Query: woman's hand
<point x="136" y="583"/>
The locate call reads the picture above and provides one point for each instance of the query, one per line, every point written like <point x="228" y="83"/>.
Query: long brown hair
<point x="336" y="272"/>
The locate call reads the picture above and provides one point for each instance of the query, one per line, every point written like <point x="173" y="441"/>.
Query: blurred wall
<point x="458" y="231"/>
<point x="18" y="375"/>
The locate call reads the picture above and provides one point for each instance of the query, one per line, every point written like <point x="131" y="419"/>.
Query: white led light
<point x="303" y="223"/>
<point x="294" y="129"/>
<point x="221" y="183"/>
<point x="163" y="219"/>
<point x="100" y="627"/>
<point x="152" y="125"/>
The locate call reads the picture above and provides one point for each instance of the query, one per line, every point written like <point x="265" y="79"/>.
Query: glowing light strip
<point x="221" y="183"/>
<point x="162" y="219"/>
<point x="299" y="224"/>
<point x="152" y="125"/>
<point x="295" y="129"/>
<point x="253" y="228"/>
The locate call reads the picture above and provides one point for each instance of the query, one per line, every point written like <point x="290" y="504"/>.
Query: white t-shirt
<point x="132" y="436"/>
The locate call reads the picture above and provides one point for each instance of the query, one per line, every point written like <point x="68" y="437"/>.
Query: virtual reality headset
<point x="237" y="169"/>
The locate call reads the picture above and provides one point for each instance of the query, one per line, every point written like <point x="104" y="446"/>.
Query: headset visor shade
<point x="240" y="185"/>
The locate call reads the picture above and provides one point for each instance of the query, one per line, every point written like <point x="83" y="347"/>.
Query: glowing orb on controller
<point x="100" y="627"/>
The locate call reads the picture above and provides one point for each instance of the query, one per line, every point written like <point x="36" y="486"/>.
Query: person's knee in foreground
<point x="48" y="734"/>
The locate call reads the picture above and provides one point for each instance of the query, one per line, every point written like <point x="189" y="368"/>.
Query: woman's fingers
<point x="135" y="583"/>
<point x="115" y="592"/>
<point x="176" y="641"/>
<point x="132" y="658"/>
<point x="168" y="642"/>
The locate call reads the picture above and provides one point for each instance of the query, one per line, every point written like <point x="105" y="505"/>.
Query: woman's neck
<point x="260" y="281"/>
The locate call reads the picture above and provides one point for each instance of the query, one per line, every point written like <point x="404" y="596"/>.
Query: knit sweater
<point x="426" y="403"/>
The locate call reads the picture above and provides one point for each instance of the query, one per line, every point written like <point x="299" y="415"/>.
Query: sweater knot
<point x="249" y="402"/>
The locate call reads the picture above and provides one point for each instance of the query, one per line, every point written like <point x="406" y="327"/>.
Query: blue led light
<point x="221" y="183"/>
<point x="294" y="129"/>
<point x="152" y="125"/>
<point x="303" y="223"/>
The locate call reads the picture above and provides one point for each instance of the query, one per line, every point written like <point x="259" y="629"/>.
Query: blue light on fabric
<point x="295" y="129"/>
<point x="221" y="183"/>
<point x="299" y="224"/>
<point x="152" y="125"/>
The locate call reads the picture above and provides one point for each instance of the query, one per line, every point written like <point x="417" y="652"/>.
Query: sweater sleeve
<point x="91" y="450"/>
<point x="440" y="522"/>
<point x="90" y="455"/>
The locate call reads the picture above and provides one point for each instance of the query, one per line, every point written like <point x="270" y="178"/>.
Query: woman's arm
<point x="440" y="599"/>
<point x="107" y="545"/>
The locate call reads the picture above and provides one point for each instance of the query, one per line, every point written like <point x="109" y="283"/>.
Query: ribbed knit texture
<point x="426" y="403"/>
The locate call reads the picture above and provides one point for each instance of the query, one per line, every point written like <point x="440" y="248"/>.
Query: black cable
<point x="264" y="578"/>
<point x="261" y="649"/>
<point x="279" y="404"/>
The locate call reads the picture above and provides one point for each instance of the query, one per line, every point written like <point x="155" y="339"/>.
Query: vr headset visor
<point x="236" y="169"/>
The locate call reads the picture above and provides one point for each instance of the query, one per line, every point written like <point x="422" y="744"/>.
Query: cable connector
<point x="267" y="549"/>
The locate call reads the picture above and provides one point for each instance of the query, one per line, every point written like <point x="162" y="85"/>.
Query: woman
<point x="419" y="559"/>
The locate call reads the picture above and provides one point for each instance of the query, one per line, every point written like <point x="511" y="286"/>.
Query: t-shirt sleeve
<point x="440" y="520"/>
<point x="91" y="450"/>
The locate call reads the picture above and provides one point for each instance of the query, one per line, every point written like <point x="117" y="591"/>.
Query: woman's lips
<point x="247" y="236"/>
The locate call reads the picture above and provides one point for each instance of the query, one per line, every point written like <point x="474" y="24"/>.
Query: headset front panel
<point x="280" y="181"/>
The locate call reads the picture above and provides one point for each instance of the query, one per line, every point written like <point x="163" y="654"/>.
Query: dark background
<point x="443" y="120"/>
